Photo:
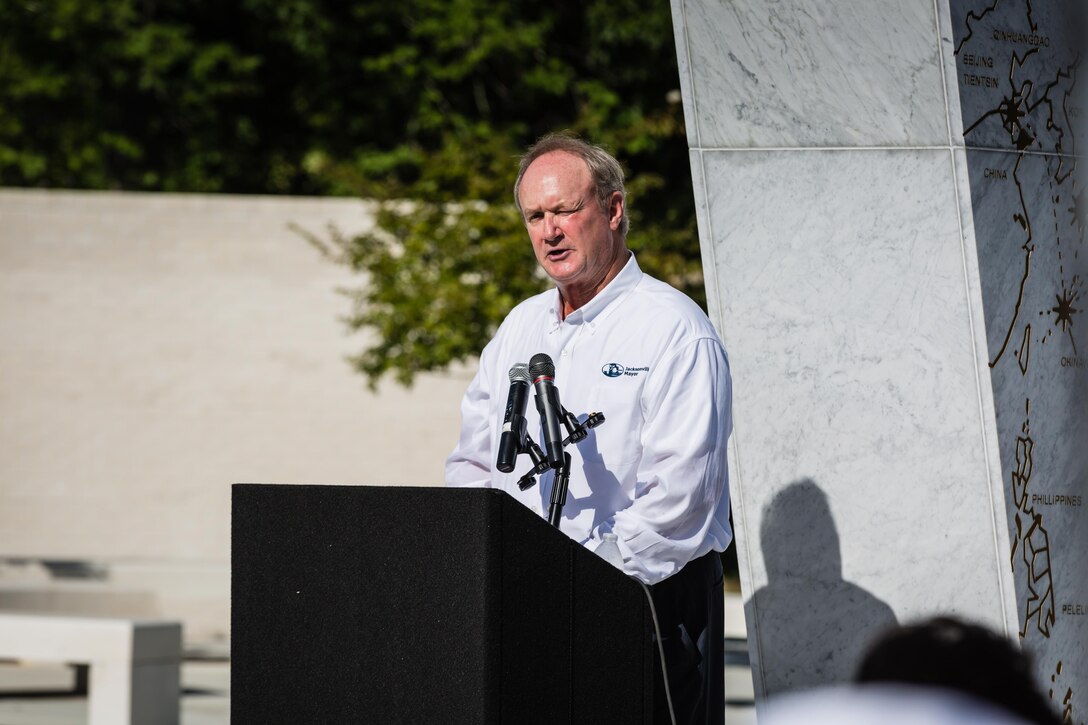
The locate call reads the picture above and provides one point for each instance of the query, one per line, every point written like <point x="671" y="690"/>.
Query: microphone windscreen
<point x="520" y="373"/>
<point x="541" y="364"/>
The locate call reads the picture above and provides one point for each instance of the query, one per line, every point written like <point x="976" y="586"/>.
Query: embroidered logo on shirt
<point x="615" y="370"/>
<point x="612" y="370"/>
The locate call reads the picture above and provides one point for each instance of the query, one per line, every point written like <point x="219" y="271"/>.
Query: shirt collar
<point x="627" y="279"/>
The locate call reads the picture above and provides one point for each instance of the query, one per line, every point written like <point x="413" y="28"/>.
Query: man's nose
<point x="551" y="228"/>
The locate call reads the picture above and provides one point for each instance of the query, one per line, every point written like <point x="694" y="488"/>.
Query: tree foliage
<point x="478" y="84"/>
<point x="423" y="105"/>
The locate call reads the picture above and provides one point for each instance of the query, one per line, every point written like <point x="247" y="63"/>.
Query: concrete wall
<point x="155" y="349"/>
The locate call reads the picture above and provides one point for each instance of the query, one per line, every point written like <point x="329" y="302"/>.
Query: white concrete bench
<point x="135" y="666"/>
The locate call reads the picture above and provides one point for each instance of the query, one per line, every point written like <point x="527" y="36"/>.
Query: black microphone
<point x="513" y="422"/>
<point x="542" y="370"/>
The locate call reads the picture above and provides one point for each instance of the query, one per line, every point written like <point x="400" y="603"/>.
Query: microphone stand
<point x="559" y="491"/>
<point x="577" y="432"/>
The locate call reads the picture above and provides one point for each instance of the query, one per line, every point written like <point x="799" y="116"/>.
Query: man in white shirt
<point x="646" y="356"/>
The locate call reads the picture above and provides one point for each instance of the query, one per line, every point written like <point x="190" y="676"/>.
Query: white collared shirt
<point x="654" y="472"/>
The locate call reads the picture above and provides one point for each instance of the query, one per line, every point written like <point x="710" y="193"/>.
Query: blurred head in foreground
<point x="948" y="653"/>
<point x="884" y="704"/>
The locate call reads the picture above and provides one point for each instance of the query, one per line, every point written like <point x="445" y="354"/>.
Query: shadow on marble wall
<point x="814" y="626"/>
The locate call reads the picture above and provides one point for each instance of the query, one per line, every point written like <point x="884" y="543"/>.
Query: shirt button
<point x="563" y="354"/>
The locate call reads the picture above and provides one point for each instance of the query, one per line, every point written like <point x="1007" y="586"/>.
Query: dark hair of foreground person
<point x="950" y="653"/>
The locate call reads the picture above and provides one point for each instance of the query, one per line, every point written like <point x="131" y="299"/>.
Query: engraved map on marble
<point x="1031" y="543"/>
<point x="1017" y="71"/>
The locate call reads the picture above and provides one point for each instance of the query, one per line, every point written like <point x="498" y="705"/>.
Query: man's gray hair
<point x="606" y="172"/>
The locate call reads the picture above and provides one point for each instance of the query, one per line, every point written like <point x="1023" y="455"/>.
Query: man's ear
<point x="615" y="210"/>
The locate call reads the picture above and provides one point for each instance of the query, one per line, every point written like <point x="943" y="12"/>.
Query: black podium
<point x="361" y="604"/>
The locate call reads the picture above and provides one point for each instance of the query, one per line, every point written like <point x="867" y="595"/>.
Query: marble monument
<point x="892" y="226"/>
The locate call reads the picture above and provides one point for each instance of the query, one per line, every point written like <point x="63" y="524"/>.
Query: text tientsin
<point x="978" y="61"/>
<point x="995" y="174"/>
<point x="970" y="79"/>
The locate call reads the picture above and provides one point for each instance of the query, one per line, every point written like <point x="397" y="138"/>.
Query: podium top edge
<point x="253" y="484"/>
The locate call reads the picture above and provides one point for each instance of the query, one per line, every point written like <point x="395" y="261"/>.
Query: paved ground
<point x="42" y="694"/>
<point x="39" y="695"/>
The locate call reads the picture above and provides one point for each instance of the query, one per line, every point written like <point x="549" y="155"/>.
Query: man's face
<point x="572" y="236"/>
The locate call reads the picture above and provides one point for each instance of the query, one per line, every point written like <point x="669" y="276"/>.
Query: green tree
<point x="121" y="95"/>
<point x="423" y="105"/>
<point x="476" y="84"/>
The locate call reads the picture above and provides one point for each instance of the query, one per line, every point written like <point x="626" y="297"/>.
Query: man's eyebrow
<point x="577" y="203"/>
<point x="561" y="204"/>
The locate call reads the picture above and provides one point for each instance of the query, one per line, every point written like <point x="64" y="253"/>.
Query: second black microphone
<point x="542" y="371"/>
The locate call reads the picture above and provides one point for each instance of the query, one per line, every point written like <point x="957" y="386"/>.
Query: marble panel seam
<point x="942" y="147"/>
<point x="994" y="518"/>
<point x="1026" y="152"/>
<point x="944" y="81"/>
<point x="691" y="75"/>
<point x="758" y="149"/>
<point x="714" y="298"/>
<point x="747" y="585"/>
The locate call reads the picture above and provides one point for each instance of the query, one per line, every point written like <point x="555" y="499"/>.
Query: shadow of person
<point x="811" y="626"/>
<point x="606" y="495"/>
